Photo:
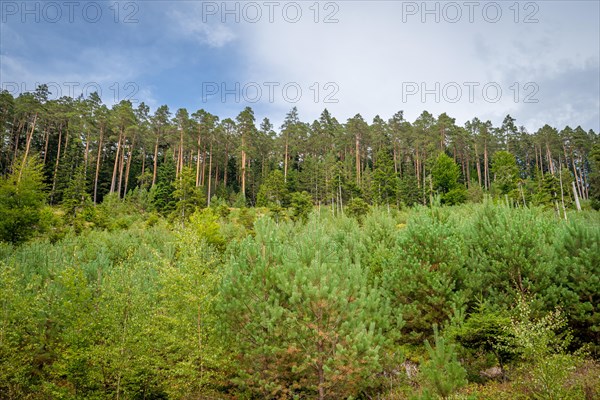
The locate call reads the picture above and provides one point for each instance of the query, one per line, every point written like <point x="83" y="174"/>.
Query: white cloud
<point x="371" y="53"/>
<point x="187" y="20"/>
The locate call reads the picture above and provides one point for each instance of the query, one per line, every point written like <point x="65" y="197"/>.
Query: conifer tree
<point x="187" y="195"/>
<point x="303" y="314"/>
<point x="385" y="180"/>
<point x="443" y="373"/>
<point x="21" y="199"/>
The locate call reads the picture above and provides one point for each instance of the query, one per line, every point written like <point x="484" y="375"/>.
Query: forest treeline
<point x="88" y="150"/>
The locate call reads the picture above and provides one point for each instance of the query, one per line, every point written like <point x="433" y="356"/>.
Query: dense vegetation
<point x="150" y="257"/>
<point x="88" y="151"/>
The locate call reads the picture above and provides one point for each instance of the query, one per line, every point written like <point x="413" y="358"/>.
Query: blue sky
<point x="538" y="61"/>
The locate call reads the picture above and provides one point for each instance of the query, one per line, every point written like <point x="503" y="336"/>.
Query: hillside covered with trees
<point x="155" y="255"/>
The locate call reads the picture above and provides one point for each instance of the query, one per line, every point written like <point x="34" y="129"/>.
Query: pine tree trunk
<point x="285" y="160"/>
<point x="549" y="156"/>
<point x="357" y="151"/>
<point x="478" y="164"/>
<point x="203" y="169"/>
<point x="85" y="155"/>
<point x="485" y="167"/>
<point x="113" y="181"/>
<point x="121" y="164"/>
<point x="226" y="166"/>
<point x="56" y="164"/>
<point x="27" y="147"/>
<point x="198" y="162"/>
<point x="143" y="165"/>
<point x="209" y="172"/>
<point x="155" y="162"/>
<point x="98" y="165"/>
<point x="129" y="157"/>
<point x="46" y="140"/>
<point x="576" y="197"/>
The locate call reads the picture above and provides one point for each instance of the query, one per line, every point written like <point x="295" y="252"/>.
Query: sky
<point x="538" y="61"/>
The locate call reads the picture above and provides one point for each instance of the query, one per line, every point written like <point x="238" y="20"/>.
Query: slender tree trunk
<point x="155" y="162"/>
<point x="576" y="197"/>
<point x="226" y="166"/>
<point x="121" y="164"/>
<point x="285" y="159"/>
<point x="198" y="162"/>
<point x="541" y="162"/>
<point x="486" y="172"/>
<point x="46" y="140"/>
<point x="576" y="174"/>
<point x="129" y="157"/>
<point x="562" y="193"/>
<point x="243" y="167"/>
<point x="203" y="168"/>
<point x="85" y="155"/>
<point x="113" y="181"/>
<point x="181" y="153"/>
<point x="66" y="140"/>
<point x="478" y="164"/>
<point x="143" y="181"/>
<point x="418" y="169"/>
<point x="27" y="147"/>
<point x="209" y="172"/>
<point x="549" y="157"/>
<point x="357" y="151"/>
<point x="468" y="171"/>
<point x="16" y="139"/>
<point x="98" y="164"/>
<point x="56" y="164"/>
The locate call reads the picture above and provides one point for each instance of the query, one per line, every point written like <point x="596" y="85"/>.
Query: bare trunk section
<point x="98" y="164"/>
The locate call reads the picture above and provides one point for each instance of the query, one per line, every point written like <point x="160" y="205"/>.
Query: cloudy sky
<point x="538" y="61"/>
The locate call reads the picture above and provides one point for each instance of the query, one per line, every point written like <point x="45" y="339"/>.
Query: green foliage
<point x="595" y="176"/>
<point x="124" y="314"/>
<point x="506" y="172"/>
<point x="301" y="205"/>
<point x="21" y="200"/>
<point x="577" y="257"/>
<point x="385" y="180"/>
<point x="510" y="254"/>
<point x="236" y="305"/>
<point x="408" y="190"/>
<point x="455" y="196"/>
<point x="541" y="344"/>
<point x="162" y="192"/>
<point x="75" y="199"/>
<point x="187" y="195"/>
<point x="205" y="226"/>
<point x="273" y="191"/>
<point x="442" y="372"/>
<point x="424" y="273"/>
<point x="445" y="174"/>
<point x="302" y="314"/>
<point x="484" y="342"/>
<point x="357" y="208"/>
<point x="474" y="193"/>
